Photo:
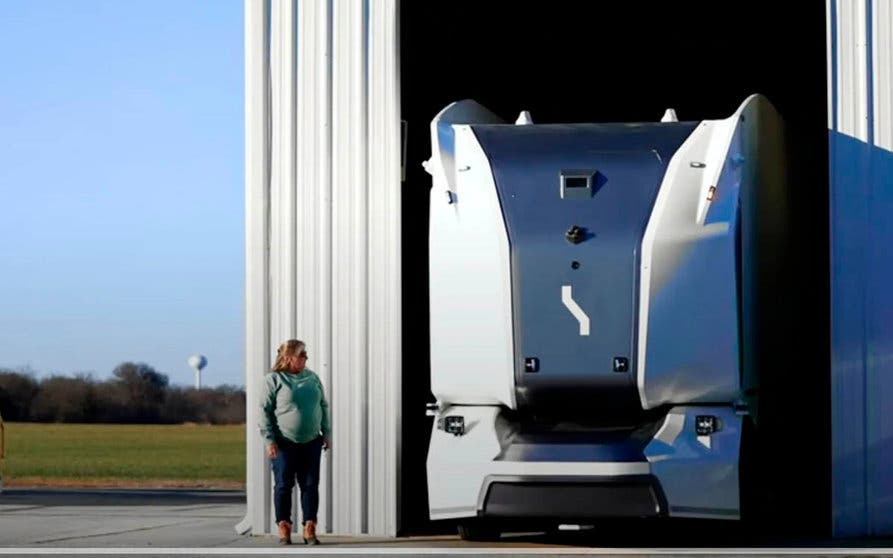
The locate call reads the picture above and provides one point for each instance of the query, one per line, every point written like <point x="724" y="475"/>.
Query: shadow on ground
<point x="664" y="533"/>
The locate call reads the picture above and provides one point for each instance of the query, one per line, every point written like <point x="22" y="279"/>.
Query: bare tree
<point x="17" y="391"/>
<point x="146" y="390"/>
<point x="137" y="394"/>
<point x="63" y="399"/>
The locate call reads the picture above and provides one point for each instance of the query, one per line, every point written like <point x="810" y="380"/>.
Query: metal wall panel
<point x="314" y="202"/>
<point x="882" y="82"/>
<point x="257" y="196"/>
<point x="323" y="241"/>
<point x="283" y="265"/>
<point x="385" y="284"/>
<point x="851" y="71"/>
<point x="862" y="270"/>
<point x="349" y="266"/>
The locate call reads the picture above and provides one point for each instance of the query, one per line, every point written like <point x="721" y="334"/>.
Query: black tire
<point x="478" y="531"/>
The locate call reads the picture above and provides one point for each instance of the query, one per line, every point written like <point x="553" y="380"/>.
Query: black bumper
<point x="573" y="499"/>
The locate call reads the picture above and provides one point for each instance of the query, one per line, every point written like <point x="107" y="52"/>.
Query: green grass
<point x="95" y="454"/>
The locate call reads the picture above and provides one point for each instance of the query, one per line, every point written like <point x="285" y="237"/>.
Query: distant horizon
<point x="39" y="375"/>
<point x="122" y="180"/>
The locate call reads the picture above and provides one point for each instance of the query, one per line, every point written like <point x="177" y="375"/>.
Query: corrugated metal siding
<point x="332" y="277"/>
<point x="830" y="53"/>
<point x="257" y="196"/>
<point x="350" y="266"/>
<point x="385" y="342"/>
<point x="879" y="343"/>
<point x="882" y="60"/>
<point x="314" y="180"/>
<point x="852" y="99"/>
<point x="283" y="251"/>
<point x="862" y="268"/>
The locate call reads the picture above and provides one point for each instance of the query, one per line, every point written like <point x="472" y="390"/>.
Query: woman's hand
<point x="272" y="451"/>
<point x="326" y="443"/>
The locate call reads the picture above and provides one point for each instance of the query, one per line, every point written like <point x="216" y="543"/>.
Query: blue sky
<point x="121" y="186"/>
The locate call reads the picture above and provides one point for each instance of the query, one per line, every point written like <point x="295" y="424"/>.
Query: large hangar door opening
<point x="593" y="62"/>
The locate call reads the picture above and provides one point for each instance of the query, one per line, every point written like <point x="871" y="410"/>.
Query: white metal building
<point x="323" y="246"/>
<point x="322" y="206"/>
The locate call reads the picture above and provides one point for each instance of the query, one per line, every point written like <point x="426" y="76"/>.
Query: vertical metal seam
<point x="835" y="64"/>
<point x="866" y="356"/>
<point x="329" y="244"/>
<point x="869" y="63"/>
<point x="395" y="205"/>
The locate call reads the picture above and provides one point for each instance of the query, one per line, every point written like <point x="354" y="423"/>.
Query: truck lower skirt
<point x="568" y="500"/>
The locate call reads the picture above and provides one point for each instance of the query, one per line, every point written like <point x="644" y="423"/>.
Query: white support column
<point x="349" y="269"/>
<point x="385" y="323"/>
<point x="314" y="199"/>
<point x="257" y="192"/>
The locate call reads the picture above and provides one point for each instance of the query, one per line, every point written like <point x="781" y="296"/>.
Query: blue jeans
<point x="301" y="462"/>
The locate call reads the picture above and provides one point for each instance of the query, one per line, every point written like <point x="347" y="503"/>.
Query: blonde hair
<point x="290" y="347"/>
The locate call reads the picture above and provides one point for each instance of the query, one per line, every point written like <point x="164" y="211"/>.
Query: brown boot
<point x="284" y="532"/>
<point x="310" y="532"/>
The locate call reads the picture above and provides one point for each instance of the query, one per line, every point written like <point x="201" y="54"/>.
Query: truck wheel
<point x="478" y="531"/>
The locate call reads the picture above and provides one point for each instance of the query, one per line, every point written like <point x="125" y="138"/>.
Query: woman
<point x="295" y="425"/>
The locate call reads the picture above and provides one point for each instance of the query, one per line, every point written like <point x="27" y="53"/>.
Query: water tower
<point x="197" y="362"/>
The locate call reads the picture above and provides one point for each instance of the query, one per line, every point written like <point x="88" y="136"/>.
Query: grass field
<point x="96" y="455"/>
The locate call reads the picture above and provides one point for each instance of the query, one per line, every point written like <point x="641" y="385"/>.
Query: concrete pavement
<point x="200" y="522"/>
<point x="145" y="519"/>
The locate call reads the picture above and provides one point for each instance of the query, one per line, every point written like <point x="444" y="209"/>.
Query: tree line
<point x="136" y="394"/>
